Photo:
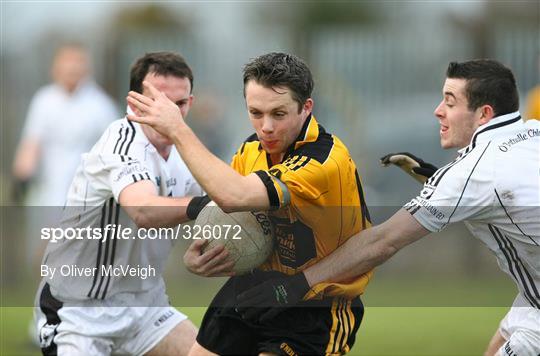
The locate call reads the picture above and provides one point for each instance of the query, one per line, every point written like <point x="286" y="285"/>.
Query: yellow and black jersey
<point x="317" y="202"/>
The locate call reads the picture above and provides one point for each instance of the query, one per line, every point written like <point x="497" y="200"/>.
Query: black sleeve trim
<point x="273" y="195"/>
<point x="196" y="205"/>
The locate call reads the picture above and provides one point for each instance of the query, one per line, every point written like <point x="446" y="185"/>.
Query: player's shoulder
<point x="122" y="137"/>
<point x="250" y="144"/>
<point x="325" y="146"/>
<point x="47" y="93"/>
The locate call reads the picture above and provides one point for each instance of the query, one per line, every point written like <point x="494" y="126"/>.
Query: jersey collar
<point x="308" y="133"/>
<point x="493" y="127"/>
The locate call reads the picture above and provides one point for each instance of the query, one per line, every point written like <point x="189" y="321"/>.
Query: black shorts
<point x="318" y="327"/>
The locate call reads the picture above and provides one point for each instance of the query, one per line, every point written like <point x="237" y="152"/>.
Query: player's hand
<point x="214" y="262"/>
<point x="412" y="165"/>
<point x="268" y="299"/>
<point x="156" y="110"/>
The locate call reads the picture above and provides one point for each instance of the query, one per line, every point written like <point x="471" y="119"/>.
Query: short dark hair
<point x="488" y="82"/>
<point x="281" y="69"/>
<point x="160" y="63"/>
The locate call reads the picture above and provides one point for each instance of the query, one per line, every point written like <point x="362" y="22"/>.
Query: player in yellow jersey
<point x="307" y="179"/>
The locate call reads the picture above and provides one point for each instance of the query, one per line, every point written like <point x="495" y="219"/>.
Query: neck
<point x="276" y="158"/>
<point x="164" y="151"/>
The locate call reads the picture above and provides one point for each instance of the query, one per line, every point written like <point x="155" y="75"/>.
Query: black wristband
<point x="196" y="205"/>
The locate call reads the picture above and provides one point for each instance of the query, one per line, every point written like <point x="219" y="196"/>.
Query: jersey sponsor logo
<point x="170" y="182"/>
<point x="295" y="242"/>
<point x="533" y="133"/>
<point x="439" y="215"/>
<point x="133" y="168"/>
<point x="520" y="137"/>
<point x="163" y="318"/>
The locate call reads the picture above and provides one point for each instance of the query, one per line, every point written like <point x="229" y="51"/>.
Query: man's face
<point x="178" y="90"/>
<point x="274" y="116"/>
<point x="457" y="122"/>
<point x="70" y="67"/>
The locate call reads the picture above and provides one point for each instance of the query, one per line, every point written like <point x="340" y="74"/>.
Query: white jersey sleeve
<point x="115" y="162"/>
<point x="461" y="190"/>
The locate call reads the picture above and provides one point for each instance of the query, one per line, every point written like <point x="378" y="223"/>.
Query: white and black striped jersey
<point x="494" y="187"/>
<point x="122" y="156"/>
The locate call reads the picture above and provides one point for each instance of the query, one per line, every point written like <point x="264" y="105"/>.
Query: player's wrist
<point x="196" y="205"/>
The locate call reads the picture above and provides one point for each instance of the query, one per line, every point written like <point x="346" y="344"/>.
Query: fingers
<point x="137" y="105"/>
<point x="213" y="262"/>
<point x="139" y="119"/>
<point x="152" y="89"/>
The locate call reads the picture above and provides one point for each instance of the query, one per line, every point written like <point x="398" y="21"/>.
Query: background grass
<point x="384" y="331"/>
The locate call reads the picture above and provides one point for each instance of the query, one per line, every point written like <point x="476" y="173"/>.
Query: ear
<point x="308" y="106"/>
<point x="486" y="114"/>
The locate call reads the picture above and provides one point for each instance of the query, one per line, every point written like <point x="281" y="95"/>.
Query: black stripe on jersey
<point x="496" y="126"/>
<point x="148" y="176"/>
<point x="134" y="178"/>
<point x="467" y="182"/>
<point x="412" y="207"/>
<point x="113" y="253"/>
<point x="107" y="245"/>
<point x="436" y="178"/>
<point x="119" y="139"/>
<point x="273" y="195"/>
<point x="132" y="137"/>
<point x="512" y="259"/>
<point x="301" y="164"/>
<point x="124" y="141"/>
<point x="363" y="205"/>
<point x="511" y="266"/>
<point x="98" y="259"/>
<point x="292" y="161"/>
<point x="140" y="175"/>
<point x="513" y="252"/>
<point x="320" y="149"/>
<point x="509" y="217"/>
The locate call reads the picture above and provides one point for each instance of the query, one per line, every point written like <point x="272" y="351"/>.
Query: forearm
<point x="157" y="211"/>
<point x="367" y="249"/>
<point x="223" y="184"/>
<point x="360" y="254"/>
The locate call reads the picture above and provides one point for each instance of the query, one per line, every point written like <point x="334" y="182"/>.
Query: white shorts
<point x="102" y="327"/>
<point x="521" y="329"/>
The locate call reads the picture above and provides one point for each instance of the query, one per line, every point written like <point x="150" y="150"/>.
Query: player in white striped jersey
<point x="133" y="178"/>
<point x="493" y="186"/>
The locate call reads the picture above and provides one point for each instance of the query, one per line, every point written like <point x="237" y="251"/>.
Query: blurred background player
<point x="64" y="120"/>
<point x="306" y="176"/>
<point x="133" y="177"/>
<point x="493" y="186"/>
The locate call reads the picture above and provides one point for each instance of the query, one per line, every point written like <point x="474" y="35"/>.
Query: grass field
<point x="384" y="331"/>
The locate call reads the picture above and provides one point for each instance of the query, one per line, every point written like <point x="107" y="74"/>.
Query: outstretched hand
<point x="412" y="165"/>
<point x="156" y="110"/>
